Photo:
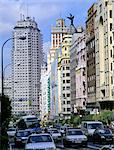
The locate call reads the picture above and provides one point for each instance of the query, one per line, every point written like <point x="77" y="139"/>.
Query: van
<point x="89" y="127"/>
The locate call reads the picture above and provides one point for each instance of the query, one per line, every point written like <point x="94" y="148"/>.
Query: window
<point x="110" y="40"/>
<point x="63" y="95"/>
<point x="110" y="53"/>
<point x="67" y="68"/>
<point x="100" y="8"/>
<point x="63" y="75"/>
<point x="111" y="80"/>
<point x="67" y="74"/>
<point x="63" y="88"/>
<point x="63" y="102"/>
<point x="110" y="13"/>
<point x="110" y="26"/>
<point x="111" y="66"/>
<point x="67" y="81"/>
<point x="68" y="102"/>
<point x="68" y="109"/>
<point x="68" y="95"/>
<point x="63" y="81"/>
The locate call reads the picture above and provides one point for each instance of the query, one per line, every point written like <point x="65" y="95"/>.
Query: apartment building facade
<point x="64" y="67"/>
<point x="57" y="33"/>
<point x="104" y="54"/>
<point x="26" y="76"/>
<point x="73" y="65"/>
<point x="80" y="73"/>
<point x="90" y="48"/>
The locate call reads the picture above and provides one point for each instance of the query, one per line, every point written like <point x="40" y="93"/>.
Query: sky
<point x="45" y="13"/>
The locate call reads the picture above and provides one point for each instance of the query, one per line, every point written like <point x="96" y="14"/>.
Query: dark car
<point x="21" y="137"/>
<point x="103" y="136"/>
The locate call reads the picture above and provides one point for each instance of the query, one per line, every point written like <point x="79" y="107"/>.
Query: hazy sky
<point x="45" y="12"/>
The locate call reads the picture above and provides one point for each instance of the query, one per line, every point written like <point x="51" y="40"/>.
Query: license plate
<point x="77" y="141"/>
<point x="108" y="139"/>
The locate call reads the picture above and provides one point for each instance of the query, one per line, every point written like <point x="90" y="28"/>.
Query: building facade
<point x="104" y="54"/>
<point x="44" y="92"/>
<point x="90" y="48"/>
<point x="57" y="33"/>
<point x="26" y="76"/>
<point x="80" y="74"/>
<point x="8" y="86"/>
<point x="73" y="65"/>
<point x="64" y="67"/>
<point x="113" y="40"/>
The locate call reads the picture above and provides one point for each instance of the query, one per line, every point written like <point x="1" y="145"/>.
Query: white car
<point x="40" y="141"/>
<point x="11" y="132"/>
<point x="56" y="135"/>
<point x="74" y="137"/>
<point x="89" y="127"/>
<point x="107" y="147"/>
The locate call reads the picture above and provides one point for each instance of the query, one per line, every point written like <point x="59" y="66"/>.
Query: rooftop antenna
<point x="20" y="16"/>
<point x="27" y="7"/>
<point x="60" y="14"/>
<point x="23" y="17"/>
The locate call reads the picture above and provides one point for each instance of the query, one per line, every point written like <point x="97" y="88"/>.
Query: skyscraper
<point x="104" y="54"/>
<point x="57" y="34"/>
<point x="26" y="67"/>
<point x="90" y="47"/>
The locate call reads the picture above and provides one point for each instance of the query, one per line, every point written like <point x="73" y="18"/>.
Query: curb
<point x="60" y="146"/>
<point x="93" y="147"/>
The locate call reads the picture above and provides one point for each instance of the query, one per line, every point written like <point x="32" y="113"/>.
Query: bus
<point x="29" y="121"/>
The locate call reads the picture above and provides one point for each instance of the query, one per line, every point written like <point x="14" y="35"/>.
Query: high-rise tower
<point x="26" y="67"/>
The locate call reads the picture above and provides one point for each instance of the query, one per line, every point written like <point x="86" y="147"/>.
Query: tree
<point x="5" y="118"/>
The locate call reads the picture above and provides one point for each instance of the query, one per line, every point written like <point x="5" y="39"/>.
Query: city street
<point x="59" y="146"/>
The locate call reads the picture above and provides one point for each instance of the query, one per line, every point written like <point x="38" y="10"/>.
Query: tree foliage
<point x="5" y="118"/>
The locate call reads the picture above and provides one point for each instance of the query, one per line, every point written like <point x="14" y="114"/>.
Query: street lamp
<point x="2" y="69"/>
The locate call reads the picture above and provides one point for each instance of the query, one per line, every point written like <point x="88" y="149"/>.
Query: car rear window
<point x="11" y="129"/>
<point x="39" y="138"/>
<point x="55" y="131"/>
<point x="75" y="132"/>
<point x="95" y="125"/>
<point x="23" y="134"/>
<point x="105" y="131"/>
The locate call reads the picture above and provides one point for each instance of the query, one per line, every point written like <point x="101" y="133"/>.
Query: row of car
<point x="68" y="136"/>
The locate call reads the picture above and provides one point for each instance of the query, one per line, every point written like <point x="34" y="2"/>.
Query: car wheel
<point x="65" y="144"/>
<point x="85" y="145"/>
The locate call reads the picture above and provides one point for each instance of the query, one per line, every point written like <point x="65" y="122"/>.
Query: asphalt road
<point x="59" y="146"/>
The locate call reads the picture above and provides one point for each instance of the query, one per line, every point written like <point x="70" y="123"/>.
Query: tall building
<point x="54" y="85"/>
<point x="104" y="54"/>
<point x="80" y="73"/>
<point x="44" y="92"/>
<point x="57" y="33"/>
<point x="113" y="40"/>
<point x="90" y="47"/>
<point x="8" y="86"/>
<point x="73" y="65"/>
<point x="64" y="67"/>
<point x="26" y="76"/>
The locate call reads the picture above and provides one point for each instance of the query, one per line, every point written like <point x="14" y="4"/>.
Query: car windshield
<point x="23" y="134"/>
<point x="75" y="132"/>
<point x="39" y="138"/>
<point x="105" y="131"/>
<point x="11" y="129"/>
<point x="95" y="125"/>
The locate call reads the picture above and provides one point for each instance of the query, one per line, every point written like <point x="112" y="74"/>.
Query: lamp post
<point x="2" y="65"/>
